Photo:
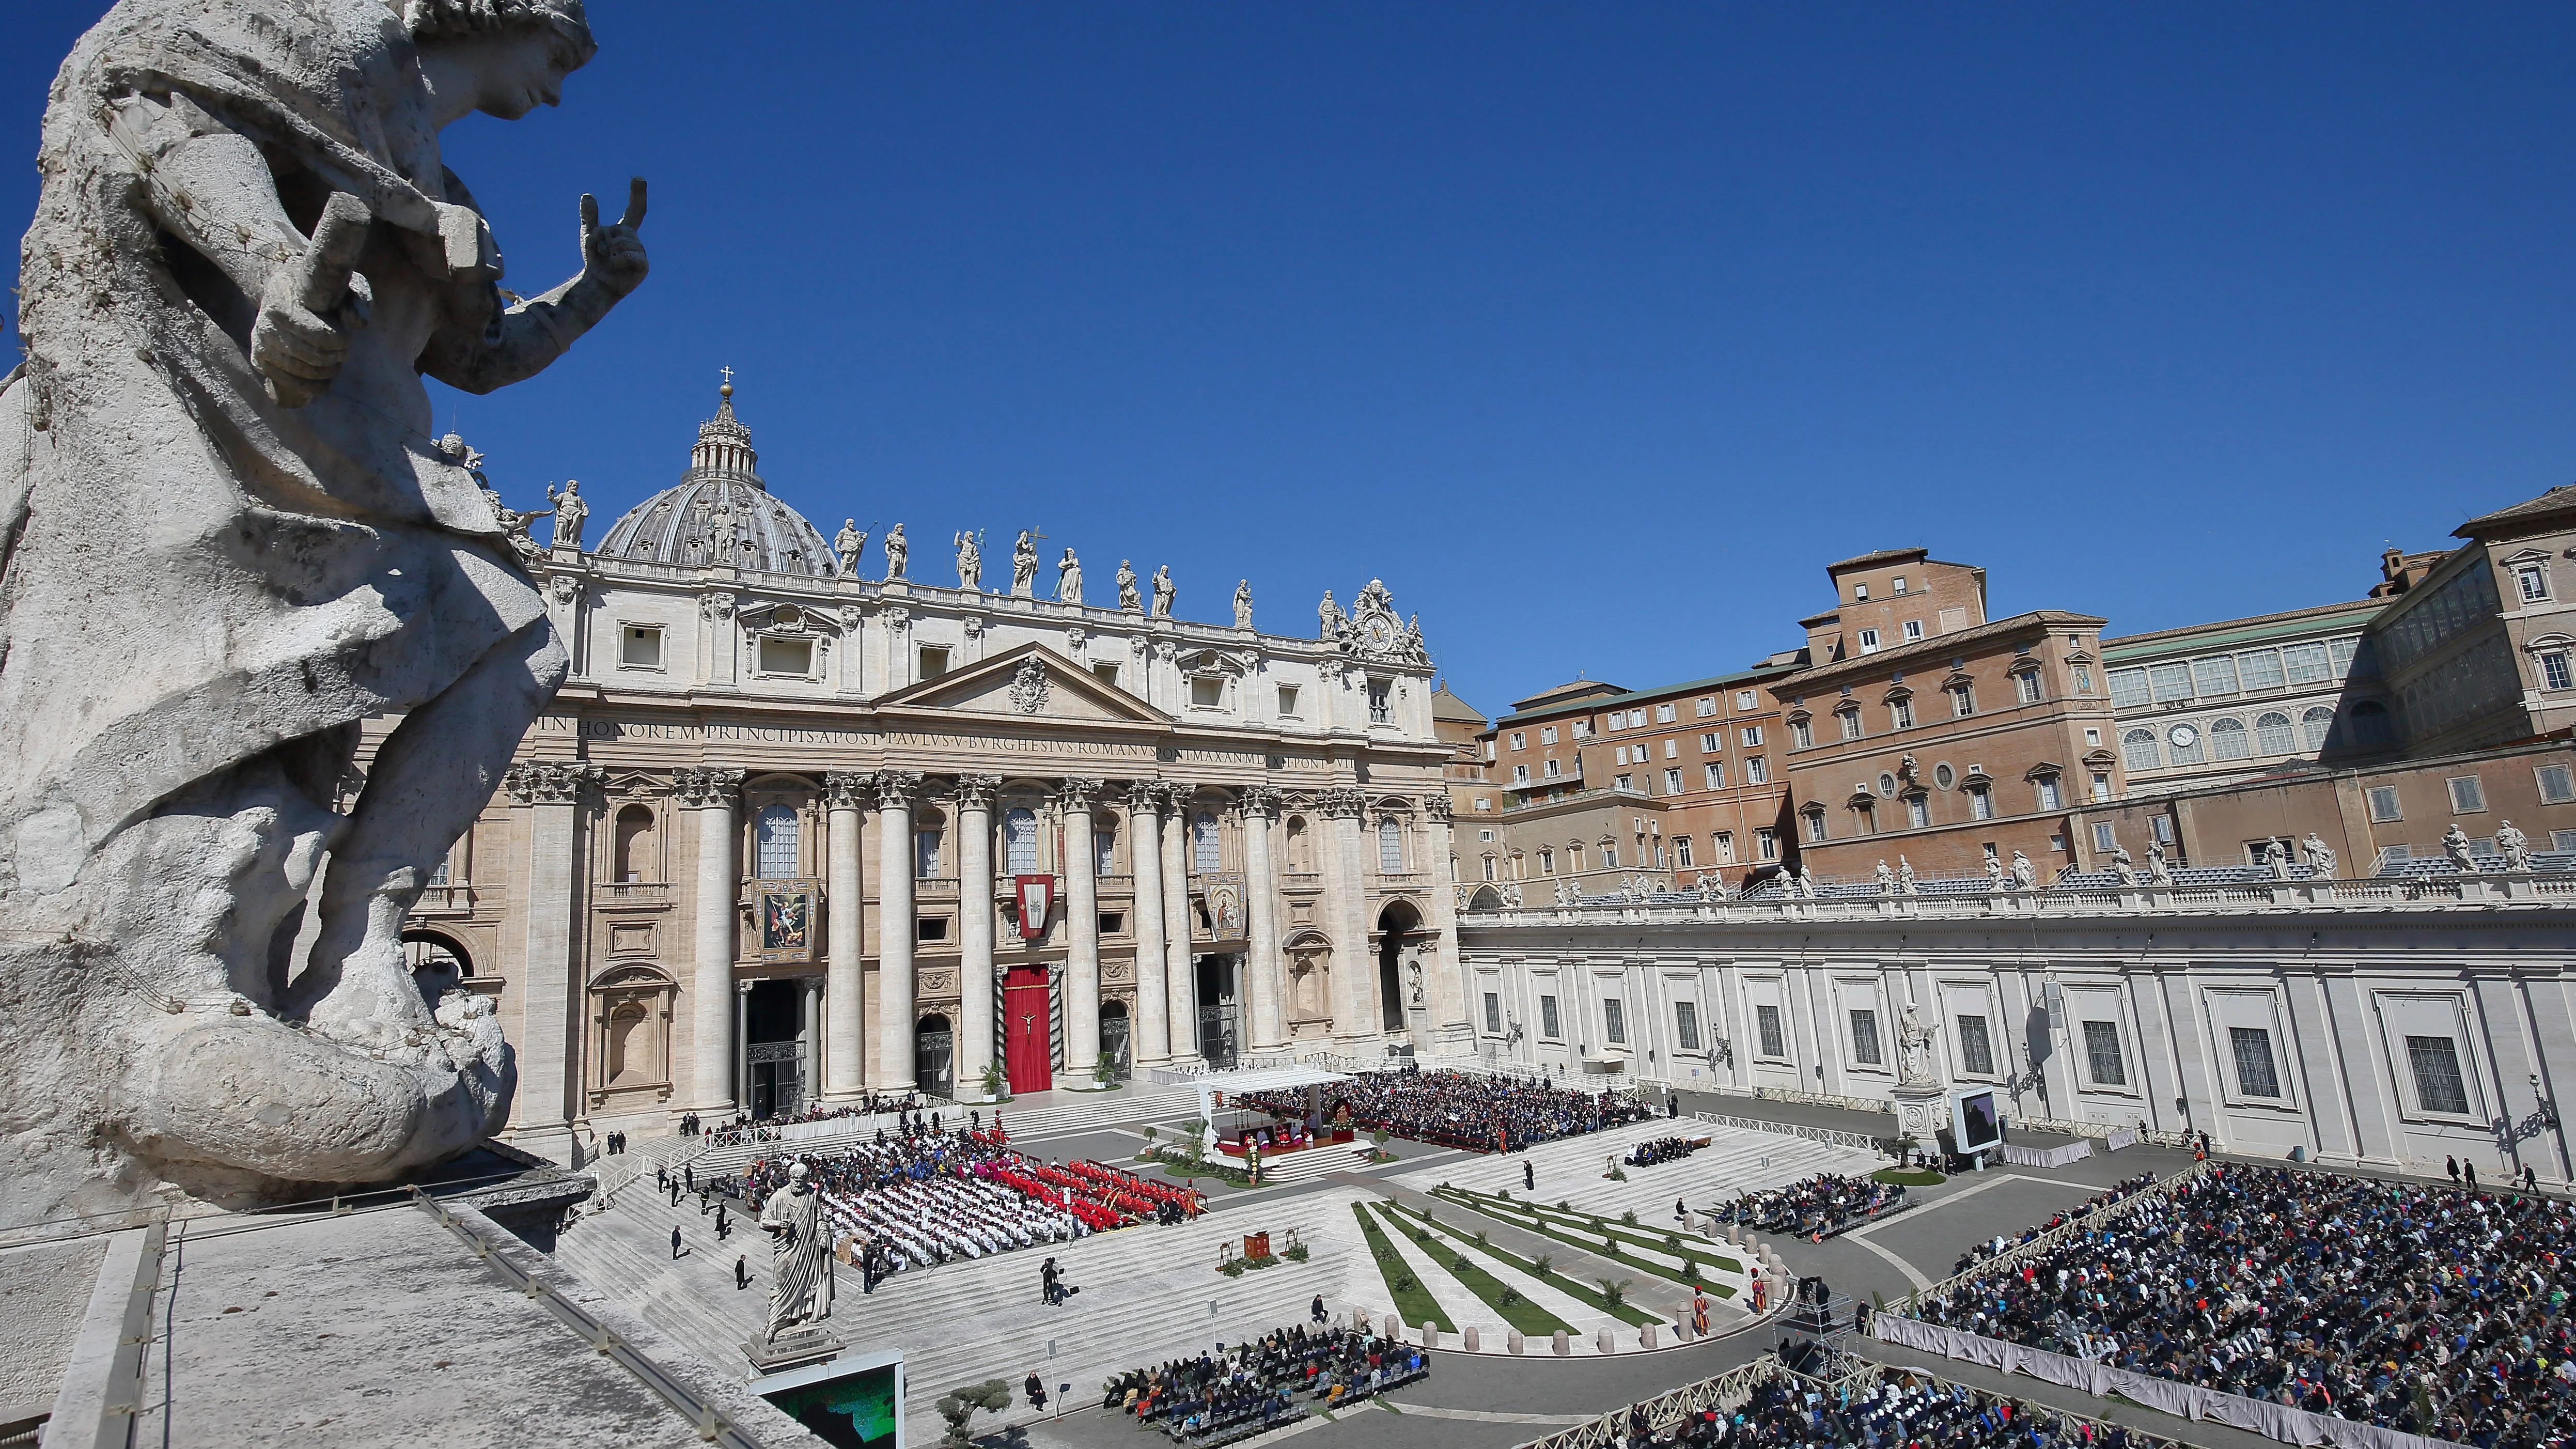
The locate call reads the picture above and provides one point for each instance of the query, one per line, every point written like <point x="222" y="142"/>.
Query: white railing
<point x="1832" y="1136"/>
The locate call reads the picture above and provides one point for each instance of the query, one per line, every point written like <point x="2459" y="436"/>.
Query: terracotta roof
<point x="2557" y="501"/>
<point x="1878" y="556"/>
<point x="1758" y="674"/>
<point x="1572" y="688"/>
<point x="1937" y="647"/>
<point x="1445" y="705"/>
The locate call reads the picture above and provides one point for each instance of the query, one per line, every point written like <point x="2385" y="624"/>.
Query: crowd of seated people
<point x="1664" y="1149"/>
<point x="745" y="1128"/>
<point x="1905" y="1411"/>
<point x="1819" y="1207"/>
<point x="2002" y="1243"/>
<point x="1463" y="1109"/>
<point x="2430" y="1310"/>
<point x="1252" y="1386"/>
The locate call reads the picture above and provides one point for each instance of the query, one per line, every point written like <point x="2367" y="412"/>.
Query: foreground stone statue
<point x="230" y="538"/>
<point x="800" y="1282"/>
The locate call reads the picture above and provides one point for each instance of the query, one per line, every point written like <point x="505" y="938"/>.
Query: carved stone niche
<point x="630" y="1032"/>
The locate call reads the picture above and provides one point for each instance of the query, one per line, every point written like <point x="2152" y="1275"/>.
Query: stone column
<point x="1082" y="931"/>
<point x="1150" y="1031"/>
<point x="974" y="932"/>
<point x="1451" y="1027"/>
<point x="550" y="1031"/>
<point x="896" y="792"/>
<point x="1355" y="1014"/>
<point x="1180" y="977"/>
<point x="1265" y="977"/>
<point x="712" y="793"/>
<point x="845" y="799"/>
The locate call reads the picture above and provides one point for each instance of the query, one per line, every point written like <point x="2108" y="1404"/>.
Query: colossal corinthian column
<point x="1355" y="1011"/>
<point x="1266" y="982"/>
<point x="1181" y="977"/>
<point x="711" y="792"/>
<point x="974" y="932"/>
<point x="1150" y="1030"/>
<point x="1082" y="921"/>
<point x="845" y="797"/>
<point x="896" y="792"/>
<point x="1442" y="963"/>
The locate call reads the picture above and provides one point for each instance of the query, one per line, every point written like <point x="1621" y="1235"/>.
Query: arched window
<point x="2227" y="739"/>
<point x="1203" y="844"/>
<point x="1104" y="846"/>
<point x="2138" y="750"/>
<point x="773" y="835"/>
<point x="1020" y="842"/>
<point x="1390" y="846"/>
<point x="1301" y="857"/>
<point x="2316" y="724"/>
<point x="2272" y="735"/>
<point x="1546" y="861"/>
<point x="635" y="856"/>
<point x="925" y="848"/>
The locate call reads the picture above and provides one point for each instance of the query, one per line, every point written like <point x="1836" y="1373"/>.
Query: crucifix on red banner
<point x="1036" y="895"/>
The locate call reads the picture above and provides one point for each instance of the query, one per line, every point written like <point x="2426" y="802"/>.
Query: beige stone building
<point x="788" y="835"/>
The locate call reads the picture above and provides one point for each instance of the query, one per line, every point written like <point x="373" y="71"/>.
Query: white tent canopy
<point x="1253" y="1079"/>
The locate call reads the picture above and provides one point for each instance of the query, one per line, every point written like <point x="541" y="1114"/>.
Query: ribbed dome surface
<point x="720" y="512"/>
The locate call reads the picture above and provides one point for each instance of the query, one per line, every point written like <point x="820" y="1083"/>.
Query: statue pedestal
<point x="798" y="1346"/>
<point x="1922" y="1111"/>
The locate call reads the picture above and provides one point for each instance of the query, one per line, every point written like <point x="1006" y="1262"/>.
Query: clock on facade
<point x="2182" y="735"/>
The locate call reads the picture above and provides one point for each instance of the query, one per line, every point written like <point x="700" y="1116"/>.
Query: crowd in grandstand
<point x="1903" y="1410"/>
<point x="2430" y="1310"/>
<point x="931" y="1197"/>
<point x="1979" y="1252"/>
<point x="1819" y="1207"/>
<point x="1254" y="1385"/>
<point x="1462" y="1109"/>
<point x="1664" y="1149"/>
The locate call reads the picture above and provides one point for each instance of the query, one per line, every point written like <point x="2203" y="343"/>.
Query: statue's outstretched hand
<point x="615" y="254"/>
<point x="310" y="305"/>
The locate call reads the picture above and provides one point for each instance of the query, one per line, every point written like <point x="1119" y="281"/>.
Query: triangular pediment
<point x="1030" y="682"/>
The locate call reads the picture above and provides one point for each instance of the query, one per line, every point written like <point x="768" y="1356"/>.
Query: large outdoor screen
<point x="850" y="1402"/>
<point x="1974" y="1123"/>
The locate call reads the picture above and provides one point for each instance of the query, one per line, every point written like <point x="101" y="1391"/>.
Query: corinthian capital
<point x="1176" y="796"/>
<point x="1257" y="802"/>
<point x="551" y="782"/>
<point x="1145" y="797"/>
<point x="1077" y="793"/>
<point x="849" y="789"/>
<point x="898" y="789"/>
<point x="975" y="792"/>
<point x="711" y="787"/>
<point x="1342" y="803"/>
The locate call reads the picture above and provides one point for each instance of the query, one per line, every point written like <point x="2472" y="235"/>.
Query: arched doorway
<point x="438" y="965"/>
<point x="1399" y="930"/>
<point x="934" y="1047"/>
<point x="1114" y="1039"/>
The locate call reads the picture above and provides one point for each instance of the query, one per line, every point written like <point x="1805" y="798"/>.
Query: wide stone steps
<point x="1572" y="1170"/>
<point x="1314" y="1162"/>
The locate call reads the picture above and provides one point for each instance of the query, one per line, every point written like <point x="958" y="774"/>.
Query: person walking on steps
<point x="1316" y="1310"/>
<point x="2469" y="1174"/>
<point x="675" y="1243"/>
<point x="1036" y="1390"/>
<point x="741" y="1274"/>
<point x="1529" y="1177"/>
<point x="2452" y="1164"/>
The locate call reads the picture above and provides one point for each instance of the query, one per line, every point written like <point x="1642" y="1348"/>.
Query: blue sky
<point x="1594" y="331"/>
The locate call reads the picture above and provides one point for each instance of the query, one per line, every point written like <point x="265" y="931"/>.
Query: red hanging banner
<point x="1037" y="898"/>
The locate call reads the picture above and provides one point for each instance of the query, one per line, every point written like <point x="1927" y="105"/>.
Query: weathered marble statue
<point x="2159" y="869"/>
<point x="970" y="562"/>
<point x="2515" y="845"/>
<point x="2025" y="875"/>
<point x="847" y="545"/>
<point x="1024" y="567"/>
<point x="1913" y="1049"/>
<point x="2320" y="856"/>
<point x="1886" y="879"/>
<point x="800" y="1279"/>
<point x="229" y="538"/>
<point x="2123" y="866"/>
<point x="2276" y="859"/>
<point x="1994" y="871"/>
<point x="1243" y="604"/>
<point x="1905" y="877"/>
<point x="569" y="512"/>
<point x="1128" y="598"/>
<point x="1329" y="618"/>
<point x="1164" y="592"/>
<point x="897" y="551"/>
<point x="1068" y="579"/>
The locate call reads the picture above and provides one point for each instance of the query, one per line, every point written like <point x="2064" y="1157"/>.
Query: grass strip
<point x="1577" y="1220"/>
<point x="1901" y="1178"/>
<point x="1608" y="1249"/>
<point x="1414" y="1305"/>
<point x="1524" y="1315"/>
<point x="1624" y="1312"/>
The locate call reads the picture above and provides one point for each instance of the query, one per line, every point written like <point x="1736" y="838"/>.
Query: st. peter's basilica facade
<point x="789" y="835"/>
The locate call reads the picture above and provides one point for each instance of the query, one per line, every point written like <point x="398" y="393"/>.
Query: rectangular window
<point x="2255" y="1076"/>
<point x="1552" y="769"/>
<point x="1750" y="737"/>
<point x="2102" y="1054"/>
<point x="2027" y="684"/>
<point x="1520" y="774"/>
<point x="1493" y="1013"/>
<point x="1626" y="782"/>
<point x="2557" y="784"/>
<point x="1614" y="1022"/>
<point x="2468" y="795"/>
<point x="2530" y="580"/>
<point x="2214" y="676"/>
<point x="2172" y="681"/>
<point x="925" y="854"/>
<point x="1104" y="852"/>
<point x="1913" y="630"/>
<point x="1207" y="693"/>
<point x="1869" y="641"/>
<point x="1849" y="719"/>
<point x="1744" y="699"/>
<point x="640" y="647"/>
<point x="1918" y="811"/>
<point x="1901" y="714"/>
<point x="1976" y="1049"/>
<point x="1547" y="734"/>
<point x="2128" y="687"/>
<point x="1520" y="740"/>
<point x="930" y="928"/>
<point x="1682" y="851"/>
<point x="1981" y="803"/>
<point x="1381" y="703"/>
<point x="2306" y="664"/>
<point x="1775" y="1042"/>
<point x="1672" y="749"/>
<point x="2102" y="837"/>
<point x="2049" y="799"/>
<point x="2162" y="828"/>
<point x="1672" y="782"/>
<point x="1864" y="1038"/>
<point x="2383" y="803"/>
<point x="2553" y="671"/>
<point x="2259" y="669"/>
<point x="2101" y="787"/>
<point x="1686" y="1025"/>
<point x="1583" y="729"/>
<point x="1703" y="708"/>
<point x="1713" y="774"/>
<point x="1756" y="772"/>
<point x="1287" y="701"/>
<point x="2438" y="1086"/>
<point x="1619" y="755"/>
<point x="1766" y="843"/>
<point x="1609" y="855"/>
<point x="1663" y="714"/>
<point x="1547" y="1023"/>
<point x="787" y="656"/>
<point x="1708" y="743"/>
<point x="1112" y="922"/>
<point x="933" y="661"/>
<point x="1898" y="583"/>
<point x="1963" y="701"/>
<point x="1802" y="735"/>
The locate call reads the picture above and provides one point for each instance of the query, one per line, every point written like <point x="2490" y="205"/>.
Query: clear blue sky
<point x="1595" y="331"/>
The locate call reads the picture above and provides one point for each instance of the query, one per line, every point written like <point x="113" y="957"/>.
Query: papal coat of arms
<point x="1029" y="686"/>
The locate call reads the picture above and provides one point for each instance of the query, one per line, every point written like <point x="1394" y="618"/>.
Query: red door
<point x="1026" y="1016"/>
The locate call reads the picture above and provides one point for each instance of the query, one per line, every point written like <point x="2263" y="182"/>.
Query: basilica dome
<point x="720" y="512"/>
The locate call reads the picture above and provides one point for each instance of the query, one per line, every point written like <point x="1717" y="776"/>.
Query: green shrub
<point x="1563" y="1206"/>
<point x="1463" y="1264"/>
<point x="1298" y="1254"/>
<point x="1406" y="1283"/>
<point x="1542" y="1263"/>
<point x="1233" y="1268"/>
<point x="1614" y="1291"/>
<point x="1481" y="1240"/>
<point x="1510" y="1297"/>
<point x="958" y="1407"/>
<point x="1620" y="1174"/>
<point x="1629" y="1217"/>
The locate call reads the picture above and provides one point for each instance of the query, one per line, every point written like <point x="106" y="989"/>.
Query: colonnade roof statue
<point x="231" y="537"/>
